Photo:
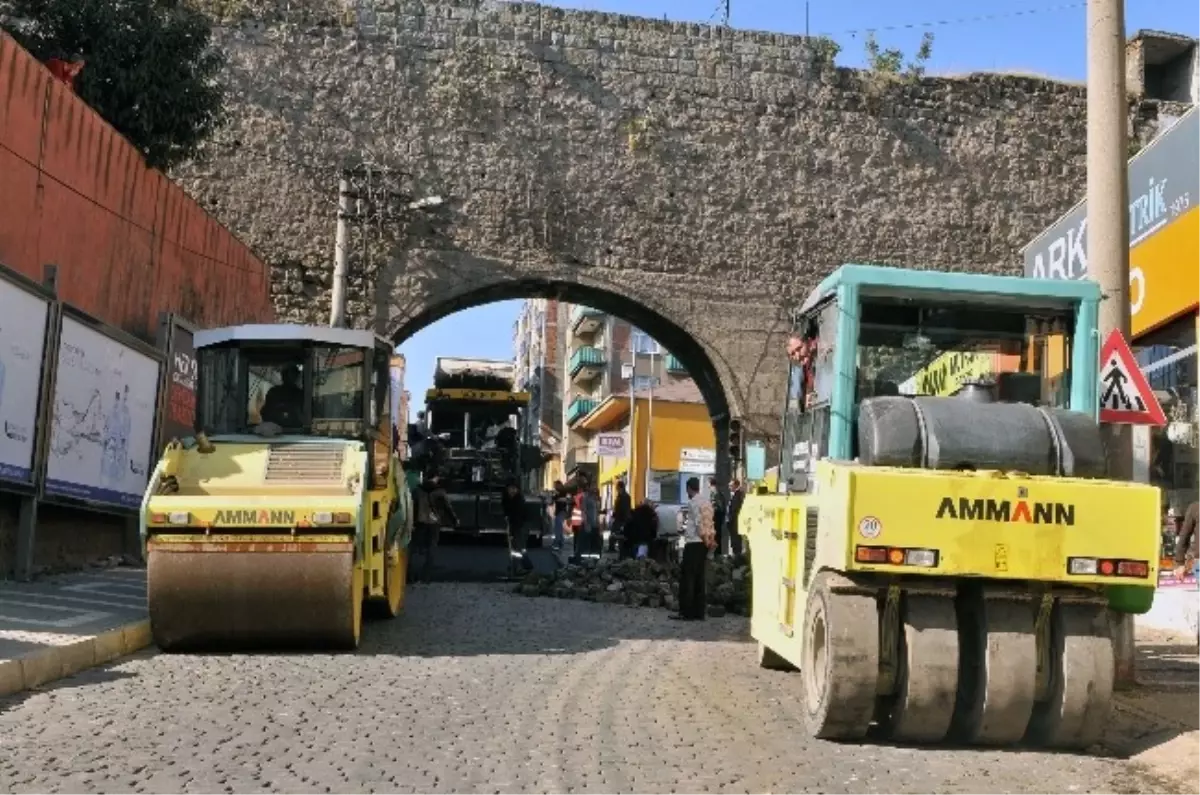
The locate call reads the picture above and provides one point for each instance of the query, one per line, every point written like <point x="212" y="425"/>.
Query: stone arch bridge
<point x="696" y="180"/>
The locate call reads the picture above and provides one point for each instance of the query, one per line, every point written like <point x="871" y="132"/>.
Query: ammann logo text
<point x="256" y="517"/>
<point x="979" y="510"/>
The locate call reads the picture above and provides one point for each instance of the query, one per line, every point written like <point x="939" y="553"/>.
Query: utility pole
<point x="337" y="312"/>
<point x="629" y="447"/>
<point x="650" y="414"/>
<point x="1108" y="238"/>
<point x="369" y="193"/>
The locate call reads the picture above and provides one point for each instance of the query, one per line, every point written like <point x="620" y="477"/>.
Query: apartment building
<point x="538" y="360"/>
<point x="604" y="357"/>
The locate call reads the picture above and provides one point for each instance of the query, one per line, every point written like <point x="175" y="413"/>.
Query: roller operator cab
<point x="944" y="546"/>
<point x="287" y="513"/>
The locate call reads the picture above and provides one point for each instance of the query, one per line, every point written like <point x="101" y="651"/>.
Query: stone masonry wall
<point x="709" y="176"/>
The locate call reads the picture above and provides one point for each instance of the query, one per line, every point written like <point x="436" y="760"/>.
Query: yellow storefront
<point x="1164" y="294"/>
<point x="675" y="436"/>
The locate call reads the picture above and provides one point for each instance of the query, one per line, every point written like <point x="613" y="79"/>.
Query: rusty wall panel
<point x="128" y="242"/>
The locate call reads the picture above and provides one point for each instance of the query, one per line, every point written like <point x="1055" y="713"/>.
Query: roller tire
<point x="395" y="576"/>
<point x="839" y="667"/>
<point x="997" y="672"/>
<point x="927" y="683"/>
<point x="1074" y="715"/>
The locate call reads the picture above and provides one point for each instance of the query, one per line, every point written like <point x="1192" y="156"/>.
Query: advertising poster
<point x="102" y="420"/>
<point x="22" y="339"/>
<point x="180" y="415"/>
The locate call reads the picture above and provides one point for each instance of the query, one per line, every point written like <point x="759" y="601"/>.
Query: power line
<point x="964" y="20"/>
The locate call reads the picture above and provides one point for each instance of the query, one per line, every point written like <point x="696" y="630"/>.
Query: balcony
<point x="586" y="363"/>
<point x="585" y="320"/>
<point x="580" y="407"/>
<point x="675" y="366"/>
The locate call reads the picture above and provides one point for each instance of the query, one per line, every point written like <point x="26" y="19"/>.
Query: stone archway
<point x="704" y="358"/>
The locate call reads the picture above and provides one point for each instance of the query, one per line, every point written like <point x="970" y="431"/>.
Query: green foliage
<point x="824" y="49"/>
<point x="890" y="62"/>
<point x="150" y="67"/>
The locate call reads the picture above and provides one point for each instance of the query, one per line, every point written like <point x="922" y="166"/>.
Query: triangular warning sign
<point x="1125" y="396"/>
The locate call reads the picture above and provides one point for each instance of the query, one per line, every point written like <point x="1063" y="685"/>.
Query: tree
<point x="890" y="62"/>
<point x="149" y="66"/>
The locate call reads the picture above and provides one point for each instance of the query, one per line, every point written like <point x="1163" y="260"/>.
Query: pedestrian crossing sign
<point x="1125" y="395"/>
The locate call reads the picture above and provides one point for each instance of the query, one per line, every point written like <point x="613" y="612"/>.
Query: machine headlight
<point x="178" y="517"/>
<point x="1083" y="566"/>
<point x="322" y="517"/>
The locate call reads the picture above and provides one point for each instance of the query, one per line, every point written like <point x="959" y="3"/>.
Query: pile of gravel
<point x="643" y="583"/>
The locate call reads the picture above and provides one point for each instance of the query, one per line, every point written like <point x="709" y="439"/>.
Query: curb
<point x="57" y="662"/>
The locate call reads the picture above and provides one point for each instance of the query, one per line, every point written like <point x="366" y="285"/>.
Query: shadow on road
<point x="85" y="678"/>
<point x="448" y="620"/>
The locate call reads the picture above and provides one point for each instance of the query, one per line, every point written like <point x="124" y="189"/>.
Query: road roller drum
<point x="209" y="596"/>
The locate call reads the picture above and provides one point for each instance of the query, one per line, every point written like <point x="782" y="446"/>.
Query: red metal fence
<point x="129" y="243"/>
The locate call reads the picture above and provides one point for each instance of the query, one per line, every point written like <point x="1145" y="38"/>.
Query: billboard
<point x="1164" y="194"/>
<point x="23" y="317"/>
<point x="179" y="408"/>
<point x="102" y="418"/>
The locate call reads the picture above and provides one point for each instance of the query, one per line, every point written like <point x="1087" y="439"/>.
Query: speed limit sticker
<point x="869" y="527"/>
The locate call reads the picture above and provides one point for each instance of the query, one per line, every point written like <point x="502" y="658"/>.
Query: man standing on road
<point x="618" y="528"/>
<point x="562" y="513"/>
<point x="590" y="504"/>
<point x="433" y="511"/>
<point x="718" y="508"/>
<point x="513" y="505"/>
<point x="699" y="536"/>
<point x="737" y="496"/>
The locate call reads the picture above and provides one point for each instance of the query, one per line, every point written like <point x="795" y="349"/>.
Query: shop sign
<point x="697" y="461"/>
<point x="611" y="445"/>
<point x="1164" y="190"/>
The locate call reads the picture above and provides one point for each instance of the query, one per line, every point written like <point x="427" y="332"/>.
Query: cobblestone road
<point x="475" y="689"/>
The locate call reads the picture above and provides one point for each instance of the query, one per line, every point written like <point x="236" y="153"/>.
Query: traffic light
<point x="735" y="440"/>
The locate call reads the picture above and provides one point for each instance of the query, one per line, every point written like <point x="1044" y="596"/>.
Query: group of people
<point x="577" y="507"/>
<point x="634" y="531"/>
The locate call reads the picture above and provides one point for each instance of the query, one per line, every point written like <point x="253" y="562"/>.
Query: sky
<point x="1037" y="37"/>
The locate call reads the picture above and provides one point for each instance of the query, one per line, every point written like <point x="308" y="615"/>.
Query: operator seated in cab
<point x="284" y="405"/>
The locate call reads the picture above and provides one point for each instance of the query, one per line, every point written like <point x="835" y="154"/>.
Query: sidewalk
<point x="1157" y="724"/>
<point x="59" y="625"/>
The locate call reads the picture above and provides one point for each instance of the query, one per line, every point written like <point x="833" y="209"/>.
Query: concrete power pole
<point x="1108" y="236"/>
<point x="341" y="246"/>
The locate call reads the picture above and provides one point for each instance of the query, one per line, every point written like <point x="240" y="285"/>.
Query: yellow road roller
<point x="944" y="547"/>
<point x="287" y="514"/>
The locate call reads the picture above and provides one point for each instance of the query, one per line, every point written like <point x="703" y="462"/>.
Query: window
<point x="670" y="487"/>
<point x="911" y="348"/>
<point x="338" y="383"/>
<point x="1167" y="457"/>
<point x="641" y="382"/>
<point x="810" y="385"/>
<point x="287" y="385"/>
<point x="641" y="342"/>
